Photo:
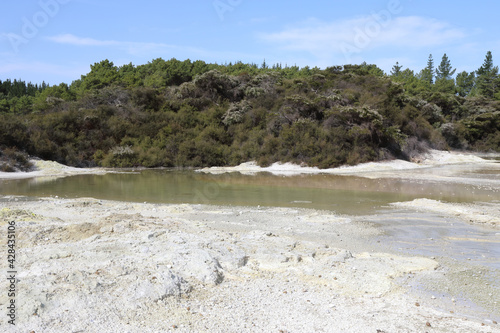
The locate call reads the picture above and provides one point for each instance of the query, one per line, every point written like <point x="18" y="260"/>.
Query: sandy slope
<point x="376" y="169"/>
<point x="50" y="169"/>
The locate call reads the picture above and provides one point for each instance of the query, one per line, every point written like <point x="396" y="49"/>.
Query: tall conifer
<point x="444" y="73"/>
<point x="487" y="77"/>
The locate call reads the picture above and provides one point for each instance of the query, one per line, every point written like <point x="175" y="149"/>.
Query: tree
<point x="199" y="67"/>
<point x="487" y="77"/>
<point x="465" y="83"/>
<point x="423" y="80"/>
<point x="370" y="69"/>
<point x="396" y="70"/>
<point x="128" y="75"/>
<point x="444" y="73"/>
<point x="52" y="96"/>
<point x="101" y="74"/>
<point x="412" y="84"/>
<point x="427" y="73"/>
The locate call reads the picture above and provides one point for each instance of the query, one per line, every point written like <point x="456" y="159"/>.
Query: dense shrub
<point x="193" y="114"/>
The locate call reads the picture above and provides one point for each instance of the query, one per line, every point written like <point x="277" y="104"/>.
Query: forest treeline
<point x="192" y="114"/>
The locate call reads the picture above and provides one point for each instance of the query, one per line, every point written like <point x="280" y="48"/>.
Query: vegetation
<point x="193" y="114"/>
<point x="12" y="160"/>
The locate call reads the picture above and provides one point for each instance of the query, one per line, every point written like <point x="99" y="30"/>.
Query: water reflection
<point x="343" y="194"/>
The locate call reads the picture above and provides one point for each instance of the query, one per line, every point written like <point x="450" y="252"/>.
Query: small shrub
<point x="454" y="134"/>
<point x="12" y="160"/>
<point x="120" y="157"/>
<point x="235" y="113"/>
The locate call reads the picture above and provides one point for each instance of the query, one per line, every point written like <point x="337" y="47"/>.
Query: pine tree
<point x="396" y="70"/>
<point x="487" y="77"/>
<point x="444" y="73"/>
<point x="444" y="70"/>
<point x="427" y="74"/>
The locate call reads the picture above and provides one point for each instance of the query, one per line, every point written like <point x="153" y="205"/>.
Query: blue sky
<point x="57" y="40"/>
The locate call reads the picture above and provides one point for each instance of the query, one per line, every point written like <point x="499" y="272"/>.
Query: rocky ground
<point x="87" y="265"/>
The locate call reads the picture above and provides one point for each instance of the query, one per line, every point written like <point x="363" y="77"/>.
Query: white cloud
<point x="79" y="41"/>
<point x="136" y="49"/>
<point x="350" y="38"/>
<point x="133" y="48"/>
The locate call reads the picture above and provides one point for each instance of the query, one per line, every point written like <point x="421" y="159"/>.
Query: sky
<point x="57" y="40"/>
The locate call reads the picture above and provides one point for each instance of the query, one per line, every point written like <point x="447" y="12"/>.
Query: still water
<point x="343" y="194"/>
